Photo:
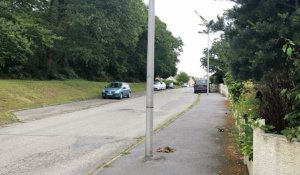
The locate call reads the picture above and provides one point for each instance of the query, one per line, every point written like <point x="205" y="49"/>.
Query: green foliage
<point x="261" y="43"/>
<point x="15" y="48"/>
<point x="98" y="40"/>
<point x="177" y="83"/>
<point x="246" y="112"/>
<point x="167" y="51"/>
<point x="168" y="81"/>
<point x="218" y="58"/>
<point x="266" y="128"/>
<point x="293" y="118"/>
<point x="291" y="133"/>
<point x="234" y="88"/>
<point x="248" y="104"/>
<point x="244" y="140"/>
<point x="23" y="34"/>
<point x="253" y="36"/>
<point x="182" y="77"/>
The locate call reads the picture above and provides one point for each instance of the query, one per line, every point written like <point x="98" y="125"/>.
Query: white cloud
<point x="182" y="21"/>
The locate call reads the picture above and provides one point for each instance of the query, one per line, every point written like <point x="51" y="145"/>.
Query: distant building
<point x="191" y="82"/>
<point x="158" y="79"/>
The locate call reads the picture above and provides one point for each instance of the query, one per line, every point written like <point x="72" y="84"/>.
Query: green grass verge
<point x="20" y="94"/>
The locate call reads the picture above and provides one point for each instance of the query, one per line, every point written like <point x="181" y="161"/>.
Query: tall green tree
<point x="182" y="77"/>
<point x="218" y="58"/>
<point x="256" y="33"/>
<point x="254" y="36"/>
<point x="167" y="51"/>
<point x="99" y="40"/>
<point x="23" y="34"/>
<point x="99" y="35"/>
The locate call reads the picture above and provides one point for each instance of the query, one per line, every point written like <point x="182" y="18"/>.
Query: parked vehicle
<point x="200" y="86"/>
<point x="163" y="86"/>
<point x="159" y="86"/>
<point x="116" y="90"/>
<point x="170" y="85"/>
<point x="184" y="85"/>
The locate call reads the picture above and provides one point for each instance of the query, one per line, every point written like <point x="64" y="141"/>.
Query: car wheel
<point x="129" y="95"/>
<point x="103" y="97"/>
<point x="121" y="96"/>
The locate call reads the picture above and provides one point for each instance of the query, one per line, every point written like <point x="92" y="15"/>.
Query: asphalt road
<point x="78" y="142"/>
<point x="48" y="111"/>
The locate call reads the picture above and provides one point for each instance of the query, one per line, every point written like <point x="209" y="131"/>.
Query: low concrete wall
<point x="249" y="164"/>
<point x="274" y="155"/>
<point x="223" y="90"/>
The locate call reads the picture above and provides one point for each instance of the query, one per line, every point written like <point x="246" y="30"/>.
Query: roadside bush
<point x="275" y="105"/>
<point x="246" y="107"/>
<point x="292" y="50"/>
<point x="177" y="83"/>
<point x="277" y="101"/>
<point x="234" y="88"/>
<point x="168" y="81"/>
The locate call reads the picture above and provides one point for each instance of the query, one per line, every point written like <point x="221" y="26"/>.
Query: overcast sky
<point x="182" y="21"/>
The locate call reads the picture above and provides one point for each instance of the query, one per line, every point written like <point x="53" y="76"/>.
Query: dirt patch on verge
<point x="232" y="160"/>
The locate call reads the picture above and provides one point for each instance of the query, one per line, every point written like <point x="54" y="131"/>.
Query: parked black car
<point x="200" y="86"/>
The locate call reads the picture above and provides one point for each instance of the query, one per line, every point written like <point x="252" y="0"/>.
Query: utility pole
<point x="207" y="90"/>
<point x="150" y="81"/>
<point x="205" y="23"/>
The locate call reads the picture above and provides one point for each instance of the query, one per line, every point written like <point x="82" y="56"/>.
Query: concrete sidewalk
<point x="198" y="145"/>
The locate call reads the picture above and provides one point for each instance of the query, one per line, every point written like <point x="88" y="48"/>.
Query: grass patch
<point x="107" y="166"/>
<point x="140" y="138"/>
<point x="20" y="94"/>
<point x="125" y="153"/>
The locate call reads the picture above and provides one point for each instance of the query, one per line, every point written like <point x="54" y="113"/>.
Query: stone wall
<point x="274" y="155"/>
<point x="223" y="90"/>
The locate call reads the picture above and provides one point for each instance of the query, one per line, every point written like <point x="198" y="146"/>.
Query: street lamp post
<point x="150" y="81"/>
<point x="206" y="24"/>
<point x="207" y="90"/>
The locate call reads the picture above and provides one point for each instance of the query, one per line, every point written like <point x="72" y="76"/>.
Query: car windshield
<point x="115" y="85"/>
<point x="157" y="82"/>
<point x="200" y="81"/>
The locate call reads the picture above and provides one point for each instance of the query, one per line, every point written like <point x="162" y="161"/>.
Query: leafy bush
<point x="168" y="81"/>
<point x="244" y="139"/>
<point x="234" y="88"/>
<point x="182" y="77"/>
<point x="292" y="118"/>
<point x="245" y="105"/>
<point x="275" y="105"/>
<point x="176" y="83"/>
<point x="292" y="132"/>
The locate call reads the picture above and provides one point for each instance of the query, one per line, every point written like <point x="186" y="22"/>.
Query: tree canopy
<point x="261" y="44"/>
<point x="99" y="40"/>
<point x="182" y="77"/>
